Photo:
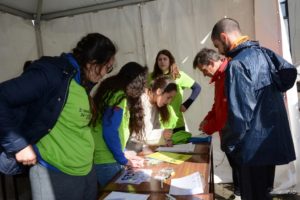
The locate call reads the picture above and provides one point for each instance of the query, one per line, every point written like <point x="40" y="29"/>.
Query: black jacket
<point x="30" y="105"/>
<point x="258" y="127"/>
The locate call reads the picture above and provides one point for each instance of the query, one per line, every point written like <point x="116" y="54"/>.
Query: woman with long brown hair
<point x="165" y="65"/>
<point x="45" y="115"/>
<point x="119" y="113"/>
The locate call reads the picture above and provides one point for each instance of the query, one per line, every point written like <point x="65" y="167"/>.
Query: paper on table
<point x="135" y="176"/>
<point x="174" y="158"/>
<point x="188" y="185"/>
<point x="178" y="148"/>
<point x="126" y="196"/>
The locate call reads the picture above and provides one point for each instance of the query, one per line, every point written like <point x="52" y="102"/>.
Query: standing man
<point x="213" y="65"/>
<point x="259" y="136"/>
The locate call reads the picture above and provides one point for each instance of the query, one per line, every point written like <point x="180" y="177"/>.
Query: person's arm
<point x="14" y="94"/>
<point x="111" y="122"/>
<point x="241" y="102"/>
<point x="284" y="74"/>
<point x="196" y="89"/>
<point x="185" y="81"/>
<point x="208" y="124"/>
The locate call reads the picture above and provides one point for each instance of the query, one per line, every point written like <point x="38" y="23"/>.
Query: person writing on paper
<point x="213" y="65"/>
<point x="165" y="65"/>
<point x="258" y="136"/>
<point x="157" y="119"/>
<point x="119" y="111"/>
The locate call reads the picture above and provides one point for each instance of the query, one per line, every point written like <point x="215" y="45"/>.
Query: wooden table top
<point x="161" y="196"/>
<point x="197" y="163"/>
<point x="203" y="148"/>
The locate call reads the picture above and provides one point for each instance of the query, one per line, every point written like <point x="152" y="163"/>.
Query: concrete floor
<point x="225" y="191"/>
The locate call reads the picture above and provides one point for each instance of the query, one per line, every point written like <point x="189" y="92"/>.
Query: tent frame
<point x="70" y="12"/>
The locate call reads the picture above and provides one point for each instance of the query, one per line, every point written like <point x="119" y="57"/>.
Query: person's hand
<point x="182" y="108"/>
<point x="169" y="143"/>
<point x="174" y="70"/>
<point x="26" y="156"/>
<point x="202" y="124"/>
<point x="129" y="154"/>
<point x="167" y="134"/>
<point x="135" y="162"/>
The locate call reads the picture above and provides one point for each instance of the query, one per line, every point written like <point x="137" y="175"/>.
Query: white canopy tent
<point x="140" y="29"/>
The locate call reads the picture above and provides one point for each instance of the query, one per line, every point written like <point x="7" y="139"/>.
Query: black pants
<point x="256" y="182"/>
<point x="235" y="174"/>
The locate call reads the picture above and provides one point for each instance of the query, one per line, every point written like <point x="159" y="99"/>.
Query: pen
<point x="170" y="197"/>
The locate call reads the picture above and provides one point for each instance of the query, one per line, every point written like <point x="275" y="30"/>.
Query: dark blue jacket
<point x="258" y="127"/>
<point x="30" y="106"/>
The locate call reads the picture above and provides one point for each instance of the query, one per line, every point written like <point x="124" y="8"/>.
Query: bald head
<point x="225" y="25"/>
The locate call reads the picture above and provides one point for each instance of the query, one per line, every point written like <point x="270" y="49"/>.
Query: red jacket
<point x="217" y="117"/>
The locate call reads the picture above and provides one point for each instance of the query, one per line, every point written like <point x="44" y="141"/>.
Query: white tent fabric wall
<point x="294" y="14"/>
<point x="294" y="7"/>
<point x="182" y="27"/>
<point x="121" y="25"/>
<point x="17" y="44"/>
<point x="140" y="31"/>
<point x="271" y="32"/>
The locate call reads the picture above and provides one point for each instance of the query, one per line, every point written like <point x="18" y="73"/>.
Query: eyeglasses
<point x="109" y="68"/>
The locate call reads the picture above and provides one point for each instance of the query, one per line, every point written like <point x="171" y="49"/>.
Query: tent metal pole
<point x="92" y="8"/>
<point x="142" y="34"/>
<point x="37" y="28"/>
<point x="16" y="12"/>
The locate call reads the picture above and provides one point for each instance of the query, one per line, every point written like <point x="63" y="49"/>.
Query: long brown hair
<point x="131" y="79"/>
<point x="173" y="69"/>
<point x="166" y="85"/>
<point x="93" y="48"/>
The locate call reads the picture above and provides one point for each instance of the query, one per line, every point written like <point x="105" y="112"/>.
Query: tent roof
<point x="50" y="9"/>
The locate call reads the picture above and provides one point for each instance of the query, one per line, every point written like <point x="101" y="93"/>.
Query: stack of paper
<point x="184" y="148"/>
<point x="126" y="196"/>
<point x="188" y="185"/>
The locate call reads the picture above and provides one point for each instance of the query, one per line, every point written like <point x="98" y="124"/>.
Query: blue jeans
<point x="105" y="172"/>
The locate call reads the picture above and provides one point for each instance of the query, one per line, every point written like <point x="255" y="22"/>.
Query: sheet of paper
<point x="185" y="148"/>
<point x="135" y="176"/>
<point x="126" y="196"/>
<point x="188" y="185"/>
<point x="174" y="158"/>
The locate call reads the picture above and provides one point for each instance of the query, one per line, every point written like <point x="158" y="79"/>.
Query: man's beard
<point x="226" y="47"/>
